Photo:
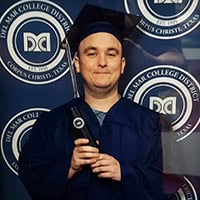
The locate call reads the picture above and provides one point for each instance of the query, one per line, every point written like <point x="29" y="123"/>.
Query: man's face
<point x="100" y="62"/>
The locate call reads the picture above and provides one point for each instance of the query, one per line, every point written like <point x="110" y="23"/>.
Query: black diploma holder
<point x="79" y="128"/>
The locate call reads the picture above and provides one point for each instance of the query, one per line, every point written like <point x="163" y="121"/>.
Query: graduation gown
<point x="130" y="133"/>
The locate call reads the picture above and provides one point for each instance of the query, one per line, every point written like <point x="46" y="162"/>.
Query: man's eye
<point x="111" y="54"/>
<point x="91" y="54"/>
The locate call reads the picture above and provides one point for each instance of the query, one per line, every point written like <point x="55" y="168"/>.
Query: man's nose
<point x="102" y="62"/>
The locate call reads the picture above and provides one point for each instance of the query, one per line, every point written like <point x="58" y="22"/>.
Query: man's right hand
<point x="83" y="154"/>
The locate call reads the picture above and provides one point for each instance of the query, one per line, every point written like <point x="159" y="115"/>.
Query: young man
<point x="127" y="162"/>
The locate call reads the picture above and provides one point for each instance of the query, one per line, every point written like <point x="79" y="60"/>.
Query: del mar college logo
<point x="187" y="191"/>
<point x="165" y="19"/>
<point x="30" y="35"/>
<point x="16" y="133"/>
<point x="171" y="91"/>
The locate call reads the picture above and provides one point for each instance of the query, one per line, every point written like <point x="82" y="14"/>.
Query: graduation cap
<point x="94" y="19"/>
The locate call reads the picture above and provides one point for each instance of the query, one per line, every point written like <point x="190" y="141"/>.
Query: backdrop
<point x="162" y="73"/>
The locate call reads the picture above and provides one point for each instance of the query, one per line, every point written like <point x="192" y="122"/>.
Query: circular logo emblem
<point x="171" y="91"/>
<point x="16" y="133"/>
<point x="30" y="35"/>
<point x="78" y="122"/>
<point x="165" y="19"/>
<point x="186" y="191"/>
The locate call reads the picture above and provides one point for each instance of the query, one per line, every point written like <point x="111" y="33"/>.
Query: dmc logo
<point x="16" y="133"/>
<point x="36" y="43"/>
<point x="169" y="90"/>
<point x="164" y="106"/>
<point x="30" y="34"/>
<point x="165" y="19"/>
<point x="168" y="1"/>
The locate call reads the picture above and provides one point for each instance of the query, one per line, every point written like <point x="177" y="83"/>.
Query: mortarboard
<point x="94" y="19"/>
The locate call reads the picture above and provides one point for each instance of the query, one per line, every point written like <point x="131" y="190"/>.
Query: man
<point x="126" y="163"/>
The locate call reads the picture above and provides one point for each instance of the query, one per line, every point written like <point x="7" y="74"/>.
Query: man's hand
<point x="83" y="154"/>
<point x="107" y="166"/>
<point x="104" y="165"/>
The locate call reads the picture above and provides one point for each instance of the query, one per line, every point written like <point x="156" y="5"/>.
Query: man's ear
<point x="76" y="64"/>
<point x="123" y="65"/>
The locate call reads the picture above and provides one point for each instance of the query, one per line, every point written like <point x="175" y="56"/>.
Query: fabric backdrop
<point x="162" y="73"/>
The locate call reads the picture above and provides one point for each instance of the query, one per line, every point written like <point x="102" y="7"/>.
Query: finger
<point x="104" y="175"/>
<point x="88" y="155"/>
<point x="87" y="161"/>
<point x="81" y="141"/>
<point x="100" y="163"/>
<point x="104" y="159"/>
<point x="80" y="159"/>
<point x="101" y="169"/>
<point x="86" y="148"/>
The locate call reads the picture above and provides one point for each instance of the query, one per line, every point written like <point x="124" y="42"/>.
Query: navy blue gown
<point x="130" y="133"/>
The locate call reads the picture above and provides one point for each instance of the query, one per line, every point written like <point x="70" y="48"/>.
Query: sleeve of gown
<point x="143" y="180"/>
<point x="41" y="169"/>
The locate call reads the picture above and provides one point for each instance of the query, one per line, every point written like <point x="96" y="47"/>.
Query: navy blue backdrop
<point x="162" y="73"/>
